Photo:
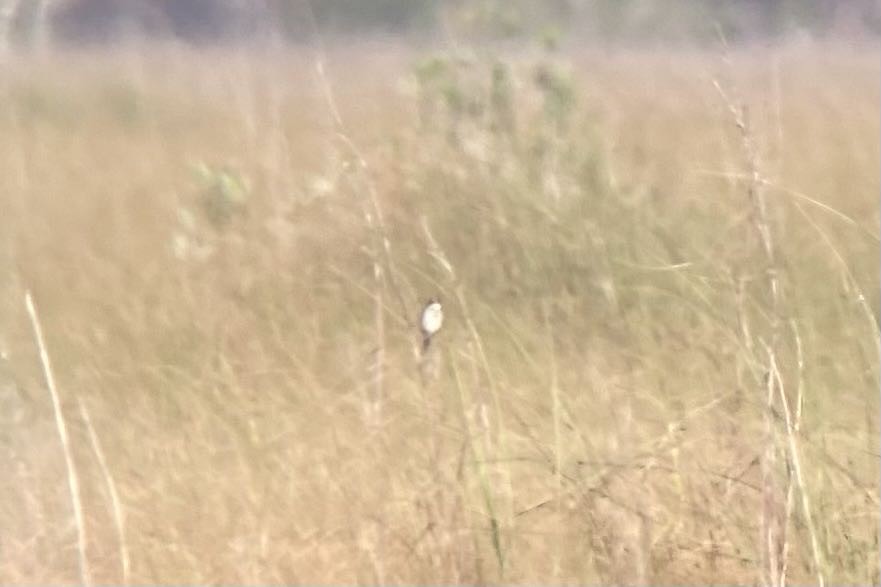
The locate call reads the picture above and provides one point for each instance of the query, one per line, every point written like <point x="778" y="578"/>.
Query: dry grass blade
<point x="115" y="501"/>
<point x="795" y="460"/>
<point x="72" y="476"/>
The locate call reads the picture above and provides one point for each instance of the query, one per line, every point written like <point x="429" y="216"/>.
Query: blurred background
<point x="639" y="22"/>
<point x="653" y="227"/>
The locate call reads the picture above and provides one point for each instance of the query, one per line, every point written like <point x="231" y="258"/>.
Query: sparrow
<point x="430" y="321"/>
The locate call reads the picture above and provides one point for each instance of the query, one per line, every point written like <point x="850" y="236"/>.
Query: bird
<point x="430" y="321"/>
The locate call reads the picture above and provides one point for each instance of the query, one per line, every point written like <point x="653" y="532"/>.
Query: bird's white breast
<point x="432" y="318"/>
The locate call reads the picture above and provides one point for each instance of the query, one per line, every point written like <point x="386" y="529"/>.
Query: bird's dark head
<point x="432" y="300"/>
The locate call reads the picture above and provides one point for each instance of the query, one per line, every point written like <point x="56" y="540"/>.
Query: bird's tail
<point x="426" y="342"/>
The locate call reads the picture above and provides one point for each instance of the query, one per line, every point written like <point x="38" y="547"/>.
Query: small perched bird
<point x="431" y="321"/>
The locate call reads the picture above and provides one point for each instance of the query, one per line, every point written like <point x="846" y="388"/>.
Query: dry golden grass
<point x="594" y="407"/>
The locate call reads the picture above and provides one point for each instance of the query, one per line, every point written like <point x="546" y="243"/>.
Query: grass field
<point x="660" y="359"/>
